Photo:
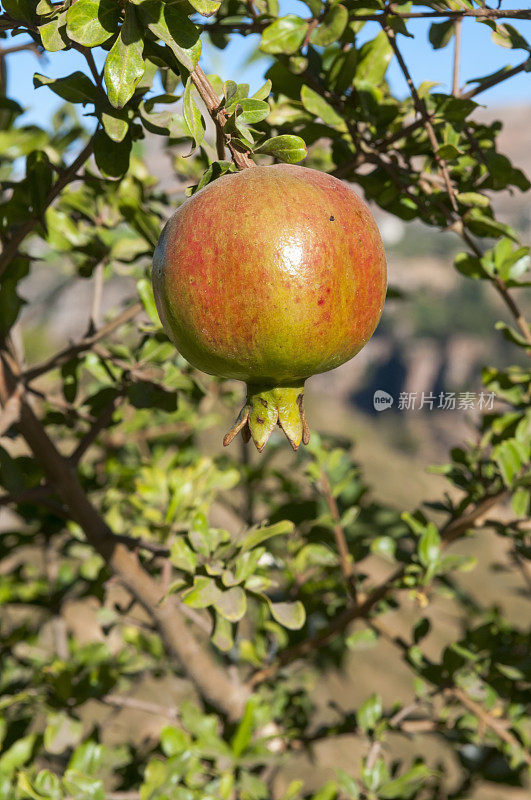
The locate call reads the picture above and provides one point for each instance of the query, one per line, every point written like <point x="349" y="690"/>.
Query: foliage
<point x="247" y="580"/>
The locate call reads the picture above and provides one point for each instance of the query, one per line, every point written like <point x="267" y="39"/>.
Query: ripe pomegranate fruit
<point x="270" y="275"/>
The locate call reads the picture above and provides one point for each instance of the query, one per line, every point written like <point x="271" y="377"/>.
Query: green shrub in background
<point x="117" y="505"/>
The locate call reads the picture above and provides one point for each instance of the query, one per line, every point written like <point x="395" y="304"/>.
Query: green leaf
<point x="115" y="127"/>
<point x="222" y="637"/>
<point x="285" y="35"/>
<point x="507" y="36"/>
<point x="53" y="34"/>
<point x="449" y="152"/>
<point x="145" y="292"/>
<point x="521" y="501"/>
<point x="124" y="65"/>
<point x="92" y="22"/>
<point x="373" y="60"/>
<point x="62" y="732"/>
<point x="441" y="33"/>
<point x="20" y="9"/>
<point x="82" y="787"/>
<point x="46" y="786"/>
<point x="40" y="178"/>
<point x="173" y="741"/>
<point x="205" y="7"/>
<point x="384" y="546"/>
<point x="264" y="92"/>
<point x="232" y="604"/>
<point x="289" y="615"/>
<point x="17" y="754"/>
<point x="182" y="556"/>
<point x="361" y="640"/>
<point x="253" y="111"/>
<point x="170" y="23"/>
<point x="75" y="88"/>
<point x="347" y="784"/>
<point x="406" y="784"/>
<point x="257" y="536"/>
<point x="192" y="114"/>
<point x="203" y="593"/>
<point x="243" y="735"/>
<point x="508" y="459"/>
<point x="331" y="27"/>
<point x="289" y="149"/>
<point x="470" y="266"/>
<point x="319" y="107"/>
<point x="369" y="712"/>
<point x="429" y="548"/>
<point x="111" y="157"/>
<point x="473" y="199"/>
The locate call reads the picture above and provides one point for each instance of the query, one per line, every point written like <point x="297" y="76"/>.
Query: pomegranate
<point x="270" y="275"/>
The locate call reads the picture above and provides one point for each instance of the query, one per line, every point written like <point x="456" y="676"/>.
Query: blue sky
<point x="479" y="56"/>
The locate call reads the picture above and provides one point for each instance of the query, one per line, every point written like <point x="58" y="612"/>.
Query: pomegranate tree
<point x="270" y="275"/>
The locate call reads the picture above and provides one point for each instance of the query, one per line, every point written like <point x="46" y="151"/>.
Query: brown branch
<point x="423" y="112"/>
<point x="10" y="249"/>
<point x="497" y="724"/>
<point x="258" y="25"/>
<point x="212" y="103"/>
<point x="209" y="678"/>
<point x="10" y="412"/>
<point x="85" y="343"/>
<point x="119" y="701"/>
<point x="97" y="295"/>
<point x="488" y="83"/>
<point x="100" y="423"/>
<point x="30" y="495"/>
<point x="18" y="48"/>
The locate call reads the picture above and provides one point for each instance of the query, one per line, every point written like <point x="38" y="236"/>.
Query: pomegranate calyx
<point x="269" y="406"/>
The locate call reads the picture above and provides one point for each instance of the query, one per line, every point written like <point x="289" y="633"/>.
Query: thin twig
<point x="85" y="343"/>
<point x="212" y="103"/>
<point x="101" y="422"/>
<point x="497" y="724"/>
<point x="10" y="412"/>
<point x="97" y="296"/>
<point x="120" y="701"/>
<point x="457" y="57"/>
<point x="488" y="83"/>
<point x="339" y="535"/>
<point x="18" y="48"/>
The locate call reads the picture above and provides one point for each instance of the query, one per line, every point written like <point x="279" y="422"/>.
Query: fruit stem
<point x="267" y="406"/>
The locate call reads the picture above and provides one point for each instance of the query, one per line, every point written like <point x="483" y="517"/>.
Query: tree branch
<point x="85" y="343"/>
<point x="207" y="676"/>
<point x="119" y="701"/>
<point x="211" y="101"/>
<point x="497" y="724"/>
